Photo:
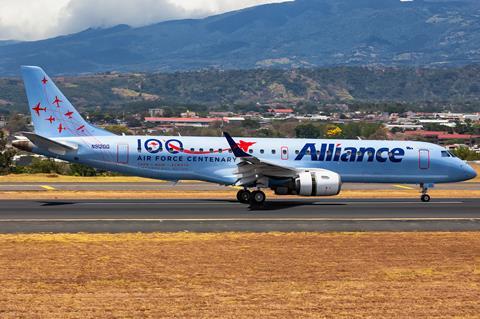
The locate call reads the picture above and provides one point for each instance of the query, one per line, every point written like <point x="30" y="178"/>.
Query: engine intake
<point x="318" y="183"/>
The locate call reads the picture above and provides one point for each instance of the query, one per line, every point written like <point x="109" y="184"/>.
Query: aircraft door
<point x="122" y="153"/>
<point x="284" y="152"/>
<point x="424" y="159"/>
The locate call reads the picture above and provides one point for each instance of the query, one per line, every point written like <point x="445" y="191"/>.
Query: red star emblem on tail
<point x="38" y="108"/>
<point x="61" y="128"/>
<point x="245" y="145"/>
<point x="51" y="119"/>
<point x="44" y="80"/>
<point x="69" y="114"/>
<point x="57" y="101"/>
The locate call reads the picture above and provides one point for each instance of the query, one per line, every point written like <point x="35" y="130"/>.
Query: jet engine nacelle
<point x="318" y="183"/>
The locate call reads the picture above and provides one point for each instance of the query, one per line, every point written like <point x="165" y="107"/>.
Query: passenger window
<point x="230" y="150"/>
<point x="211" y="150"/>
<point x="262" y="151"/>
<point x="284" y="152"/>
<point x="250" y="151"/>
<point x="297" y="152"/>
<point x="273" y="151"/>
<point x="220" y="150"/>
<point x="192" y="150"/>
<point x="308" y="152"/>
<point x="200" y="149"/>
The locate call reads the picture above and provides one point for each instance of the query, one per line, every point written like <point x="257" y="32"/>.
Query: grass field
<point x="241" y="275"/>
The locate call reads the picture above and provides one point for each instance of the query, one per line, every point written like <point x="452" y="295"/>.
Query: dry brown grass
<point x="232" y="275"/>
<point x="53" y="178"/>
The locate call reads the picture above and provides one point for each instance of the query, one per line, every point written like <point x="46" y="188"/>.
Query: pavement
<point x="26" y="216"/>
<point x="194" y="186"/>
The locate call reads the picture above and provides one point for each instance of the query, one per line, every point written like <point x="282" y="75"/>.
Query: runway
<point x="224" y="215"/>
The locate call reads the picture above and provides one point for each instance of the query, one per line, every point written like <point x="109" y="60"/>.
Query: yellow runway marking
<point x="403" y="187"/>
<point x="49" y="188"/>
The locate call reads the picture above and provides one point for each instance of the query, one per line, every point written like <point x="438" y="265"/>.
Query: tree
<point x="466" y="154"/>
<point x="118" y="129"/>
<point x="251" y="124"/>
<point x="6" y="155"/>
<point x="333" y="131"/>
<point x="308" y="131"/>
<point x="16" y="123"/>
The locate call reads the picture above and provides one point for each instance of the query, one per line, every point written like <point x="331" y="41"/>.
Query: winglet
<point x="237" y="151"/>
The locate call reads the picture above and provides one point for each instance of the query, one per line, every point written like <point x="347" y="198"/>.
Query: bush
<point x="82" y="170"/>
<point x="466" y="154"/>
<point x="47" y="166"/>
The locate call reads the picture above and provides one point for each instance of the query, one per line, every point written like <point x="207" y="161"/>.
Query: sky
<point x="40" y="19"/>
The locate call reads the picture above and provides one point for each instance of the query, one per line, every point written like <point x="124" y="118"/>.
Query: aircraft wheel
<point x="243" y="196"/>
<point x="257" y="197"/>
<point x="425" y="198"/>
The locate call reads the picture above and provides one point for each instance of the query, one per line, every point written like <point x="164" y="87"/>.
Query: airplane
<point x="303" y="167"/>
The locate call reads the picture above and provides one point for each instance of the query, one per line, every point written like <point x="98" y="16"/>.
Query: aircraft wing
<point x="251" y="169"/>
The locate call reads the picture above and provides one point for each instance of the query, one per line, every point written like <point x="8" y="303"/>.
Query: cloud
<point x="31" y="20"/>
<point x="27" y="20"/>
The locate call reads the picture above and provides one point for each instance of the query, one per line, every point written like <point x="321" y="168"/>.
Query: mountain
<point x="303" y="33"/>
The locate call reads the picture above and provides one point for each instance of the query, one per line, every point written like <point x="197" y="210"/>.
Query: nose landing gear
<point x="425" y="197"/>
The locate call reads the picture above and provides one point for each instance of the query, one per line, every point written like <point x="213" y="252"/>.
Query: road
<point x="224" y="215"/>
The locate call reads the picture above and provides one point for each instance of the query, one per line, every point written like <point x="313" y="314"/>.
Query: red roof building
<point x="441" y="137"/>
<point x="186" y="121"/>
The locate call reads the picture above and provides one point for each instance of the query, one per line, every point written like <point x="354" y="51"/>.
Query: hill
<point x="303" y="33"/>
<point x="453" y="88"/>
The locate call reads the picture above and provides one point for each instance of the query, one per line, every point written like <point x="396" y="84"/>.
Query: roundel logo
<point x="153" y="145"/>
<point x="173" y="146"/>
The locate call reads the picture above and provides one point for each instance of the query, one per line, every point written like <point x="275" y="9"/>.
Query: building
<point x="281" y="112"/>
<point x="186" y="121"/>
<point x="444" y="138"/>
<point x="156" y="112"/>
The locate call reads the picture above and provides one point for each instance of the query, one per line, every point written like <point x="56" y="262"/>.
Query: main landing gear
<point x="243" y="196"/>
<point x="257" y="197"/>
<point x="425" y="197"/>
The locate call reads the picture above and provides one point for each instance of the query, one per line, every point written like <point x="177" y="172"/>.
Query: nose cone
<point x="469" y="172"/>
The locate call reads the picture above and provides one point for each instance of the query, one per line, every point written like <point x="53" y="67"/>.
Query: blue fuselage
<point x="210" y="158"/>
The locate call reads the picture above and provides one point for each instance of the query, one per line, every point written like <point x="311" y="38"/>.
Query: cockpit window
<point x="448" y="154"/>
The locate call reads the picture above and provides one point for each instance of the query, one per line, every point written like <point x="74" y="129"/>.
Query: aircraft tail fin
<point x="52" y="114"/>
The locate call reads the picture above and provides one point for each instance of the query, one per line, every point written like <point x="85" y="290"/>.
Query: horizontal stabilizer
<point x="56" y="147"/>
